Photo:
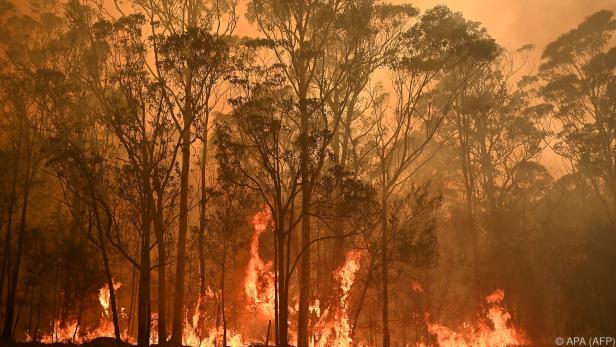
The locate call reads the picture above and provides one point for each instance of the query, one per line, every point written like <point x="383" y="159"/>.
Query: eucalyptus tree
<point x="328" y="51"/>
<point x="130" y="106"/>
<point x="190" y="45"/>
<point x="498" y="133"/>
<point x="580" y="86"/>
<point x="365" y="41"/>
<point x="256" y="150"/>
<point x="27" y="104"/>
<point x="406" y="127"/>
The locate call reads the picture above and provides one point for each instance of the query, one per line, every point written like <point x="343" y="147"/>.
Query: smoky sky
<point x="513" y="23"/>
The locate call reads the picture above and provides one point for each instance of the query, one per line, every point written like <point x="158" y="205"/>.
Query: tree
<point x="319" y="45"/>
<point x="438" y="41"/>
<point x="27" y="106"/>
<point x="580" y="87"/>
<point x="190" y="45"/>
<point x="130" y="106"/>
<point x="256" y="149"/>
<point x="497" y="132"/>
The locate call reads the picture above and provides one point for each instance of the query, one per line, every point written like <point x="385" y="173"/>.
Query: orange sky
<point x="512" y="23"/>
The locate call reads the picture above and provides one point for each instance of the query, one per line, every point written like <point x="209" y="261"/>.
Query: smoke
<point x="516" y="23"/>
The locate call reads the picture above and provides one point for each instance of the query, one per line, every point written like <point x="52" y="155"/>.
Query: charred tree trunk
<point x="143" y="301"/>
<point x="4" y="271"/>
<point x="222" y="293"/>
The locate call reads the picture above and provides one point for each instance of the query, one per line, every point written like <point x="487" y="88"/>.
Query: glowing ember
<point x="259" y="283"/>
<point x="500" y="333"/>
<point x="334" y="329"/>
<point x="416" y="287"/>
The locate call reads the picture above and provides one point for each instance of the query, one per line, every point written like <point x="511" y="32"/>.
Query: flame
<point x="154" y="328"/>
<point x="63" y="332"/>
<point x="191" y="335"/>
<point x="104" y="297"/>
<point x="71" y="331"/>
<point x="259" y="283"/>
<point x="501" y="333"/>
<point x="331" y="329"/>
<point x="336" y="330"/>
<point x="315" y="308"/>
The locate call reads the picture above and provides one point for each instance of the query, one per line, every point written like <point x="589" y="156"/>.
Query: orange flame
<point x="259" y="283"/>
<point x="501" y="333"/>
<point x="71" y="331"/>
<point x="336" y="330"/>
<point x="104" y="297"/>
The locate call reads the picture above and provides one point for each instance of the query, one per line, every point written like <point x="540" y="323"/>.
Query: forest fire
<point x="306" y="173"/>
<point x="333" y="328"/>
<point x="496" y="330"/>
<point x="104" y="297"/>
<point x="71" y="330"/>
<point x="259" y="282"/>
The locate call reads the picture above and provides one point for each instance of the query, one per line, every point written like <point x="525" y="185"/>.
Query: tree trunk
<point x="178" y="308"/>
<point x="222" y="294"/>
<point x="162" y="270"/>
<point x="109" y="277"/>
<point x="283" y="324"/>
<point x="4" y="270"/>
<point x="385" y="266"/>
<point x="304" y="275"/>
<point x="143" y="300"/>
<point x="14" y="280"/>
<point x="469" y="192"/>
<point x="201" y="240"/>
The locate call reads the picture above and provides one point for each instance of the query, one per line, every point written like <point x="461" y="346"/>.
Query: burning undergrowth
<point x="331" y="325"/>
